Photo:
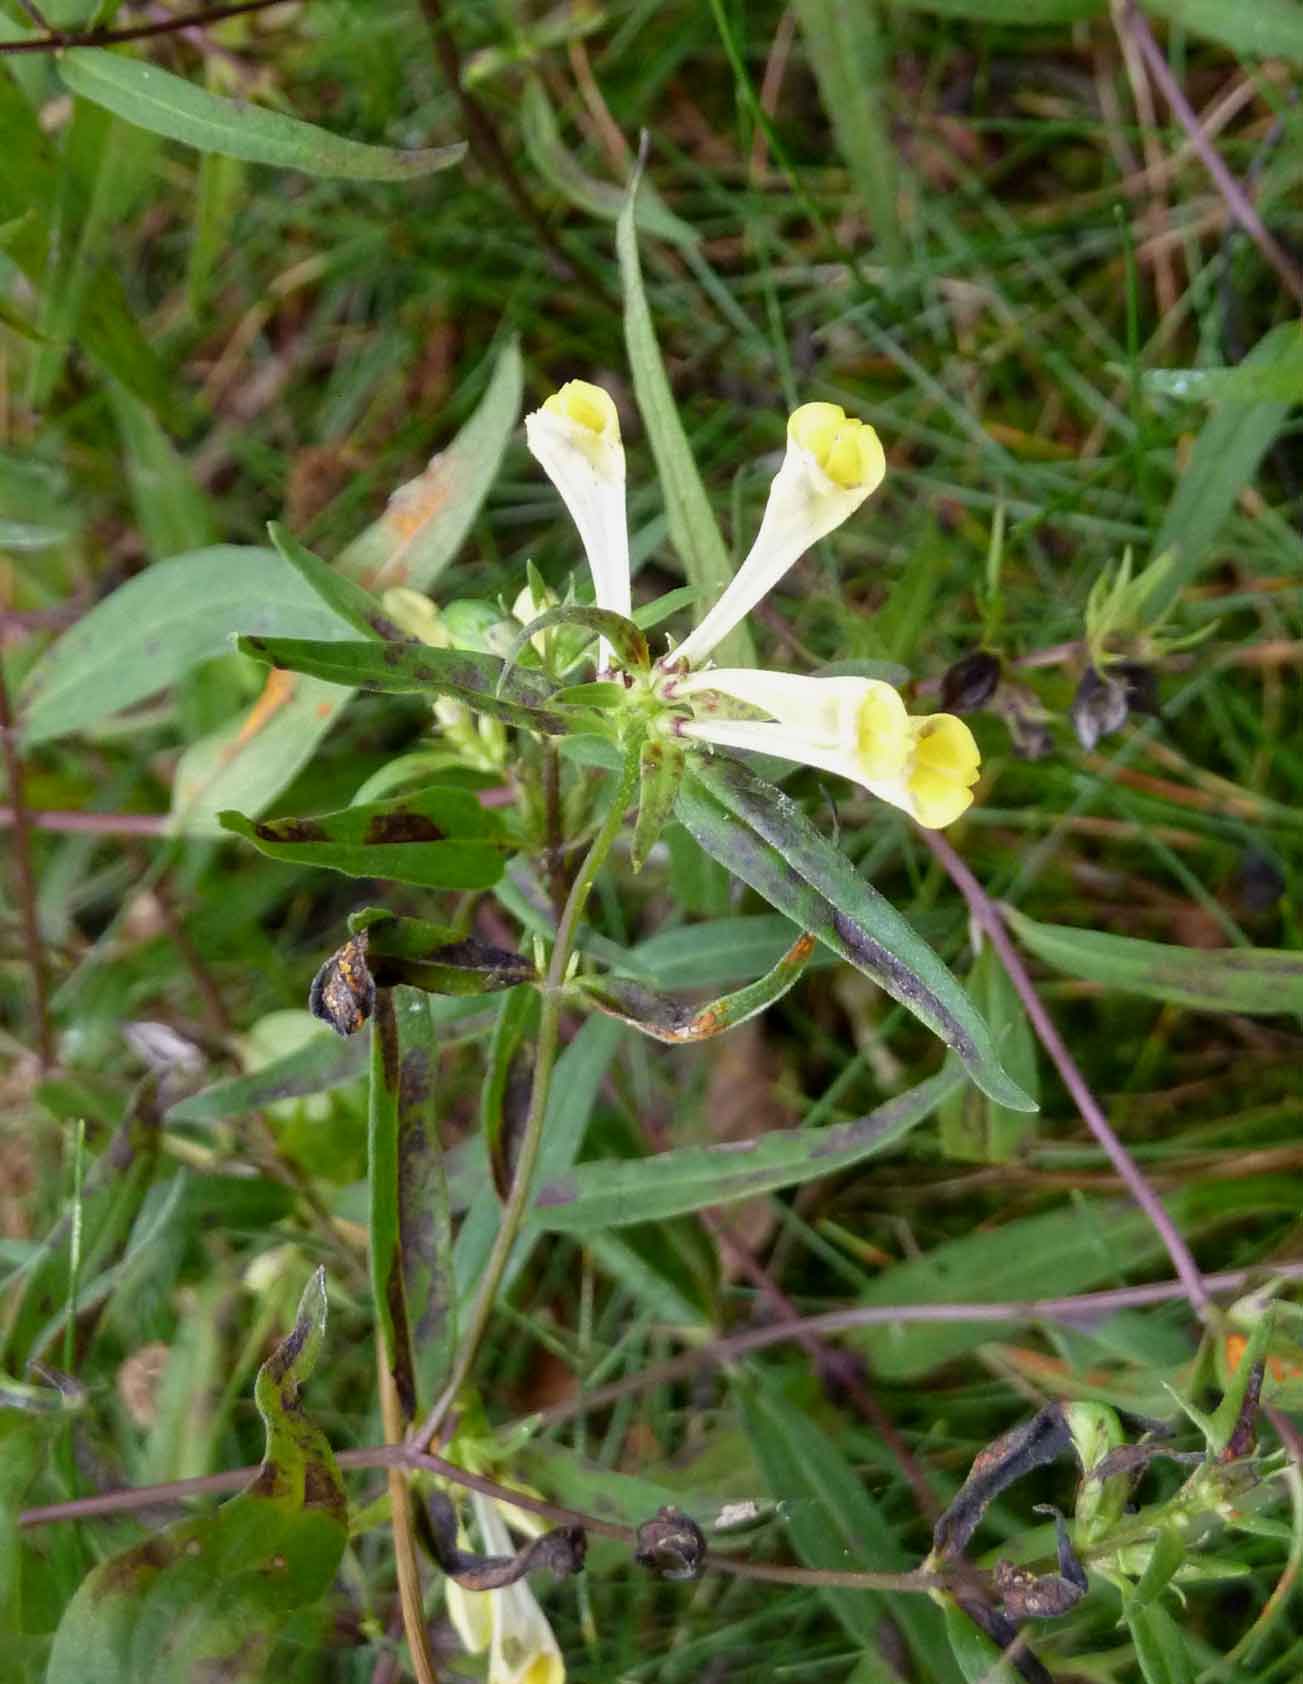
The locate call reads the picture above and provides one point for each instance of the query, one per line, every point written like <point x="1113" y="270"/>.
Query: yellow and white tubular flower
<point x="509" y="1622"/>
<point x="833" y="462"/>
<point x="576" y="438"/>
<point x="857" y="728"/>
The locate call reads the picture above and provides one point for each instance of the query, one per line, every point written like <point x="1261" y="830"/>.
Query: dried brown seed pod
<point x="671" y="1545"/>
<point x="343" y="992"/>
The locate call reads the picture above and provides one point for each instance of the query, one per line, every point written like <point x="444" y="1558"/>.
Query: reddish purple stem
<point x="986" y="913"/>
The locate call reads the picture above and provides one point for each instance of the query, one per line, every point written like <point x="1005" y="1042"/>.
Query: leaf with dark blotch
<point x="660" y="772"/>
<point x="406" y="669"/>
<point x="1232" y="1428"/>
<point x="339" y="593"/>
<point x="1255" y="980"/>
<point x="667" y="1019"/>
<point x="763" y="837"/>
<point x="209" y="1598"/>
<point x="410" y="1225"/>
<point x="437" y="837"/>
<point x="114" y="1190"/>
<point x="504" y="1098"/>
<point x="424" y="1201"/>
<point x="1031" y="1444"/>
<point x="434" y="957"/>
<point x="624" y="637"/>
<point x="614" y="1193"/>
<point x="561" y="1551"/>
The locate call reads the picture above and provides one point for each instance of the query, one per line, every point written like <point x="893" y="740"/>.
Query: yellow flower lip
<point x="946" y="764"/>
<point x="847" y="450"/>
<point x="585" y="405"/>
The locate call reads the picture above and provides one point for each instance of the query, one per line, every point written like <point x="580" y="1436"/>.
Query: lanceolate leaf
<point x="504" y="1095"/>
<point x="660" y="772"/>
<point x="208" y="1598"/>
<point x="1161" y="1648"/>
<point x="434" y="958"/>
<point x="160" y="624"/>
<point x="339" y="593"/>
<point x="325" y="1062"/>
<point x="410" y="1221"/>
<point x="426" y="521"/>
<point x="764" y="838"/>
<point x="613" y="1194"/>
<point x="623" y="636"/>
<point x="1231" y="444"/>
<point x="973" y="1126"/>
<point x="413" y="669"/>
<point x="421" y="530"/>
<point x="548" y="154"/>
<point x="834" y="1522"/>
<point x="169" y="105"/>
<point x="1264" y="29"/>
<point x="667" y="1019"/>
<point x="1256" y="980"/>
<point x="575" y="1086"/>
<point x="439" y="838"/>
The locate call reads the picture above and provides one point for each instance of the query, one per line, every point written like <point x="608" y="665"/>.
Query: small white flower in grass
<point x="508" y="1623"/>
<point x="576" y="437"/>
<point x="855" y="727"/>
<point x="833" y="462"/>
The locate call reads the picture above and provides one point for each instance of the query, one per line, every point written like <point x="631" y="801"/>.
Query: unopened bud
<point x="343" y="992"/>
<point x="671" y="1545"/>
<point x="1141" y="685"/>
<point x="1099" y="708"/>
<point x="971" y="682"/>
<point x="1022" y="713"/>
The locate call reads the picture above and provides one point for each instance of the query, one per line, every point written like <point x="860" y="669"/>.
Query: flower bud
<point x="343" y="992"/>
<point x="971" y="682"/>
<point x="1099" y="708"/>
<point x="671" y="1545"/>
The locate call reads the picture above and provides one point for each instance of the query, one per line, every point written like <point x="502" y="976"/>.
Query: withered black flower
<point x="671" y="1545"/>
<point x="971" y="682"/>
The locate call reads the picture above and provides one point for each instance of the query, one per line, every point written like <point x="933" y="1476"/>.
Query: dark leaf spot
<point x="402" y="827"/>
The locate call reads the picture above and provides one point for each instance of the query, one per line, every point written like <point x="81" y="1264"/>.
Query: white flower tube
<point x="833" y="463"/>
<point x="576" y="438"/>
<point x="856" y="728"/>
<point x="522" y="1647"/>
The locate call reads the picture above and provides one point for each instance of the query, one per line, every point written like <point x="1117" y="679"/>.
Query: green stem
<point x="549" y="1022"/>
